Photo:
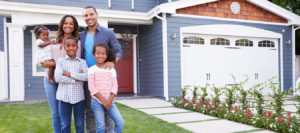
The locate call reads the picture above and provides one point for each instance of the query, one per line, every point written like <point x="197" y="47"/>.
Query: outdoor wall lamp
<point x="288" y="42"/>
<point x="173" y="36"/>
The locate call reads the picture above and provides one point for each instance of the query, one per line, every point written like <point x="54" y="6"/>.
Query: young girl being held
<point x="44" y="52"/>
<point x="104" y="87"/>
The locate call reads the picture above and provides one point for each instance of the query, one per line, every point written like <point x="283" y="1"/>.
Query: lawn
<point x="36" y="118"/>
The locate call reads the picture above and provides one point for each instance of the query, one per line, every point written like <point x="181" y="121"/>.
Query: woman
<point x="68" y="26"/>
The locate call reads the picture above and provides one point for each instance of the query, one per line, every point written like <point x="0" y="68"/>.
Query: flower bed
<point x="237" y="108"/>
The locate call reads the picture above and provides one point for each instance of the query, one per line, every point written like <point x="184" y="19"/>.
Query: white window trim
<point x="34" y="50"/>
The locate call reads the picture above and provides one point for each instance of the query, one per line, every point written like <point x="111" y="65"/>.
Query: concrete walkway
<point x="192" y="121"/>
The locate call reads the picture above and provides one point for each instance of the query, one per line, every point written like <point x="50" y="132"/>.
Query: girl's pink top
<point x="103" y="81"/>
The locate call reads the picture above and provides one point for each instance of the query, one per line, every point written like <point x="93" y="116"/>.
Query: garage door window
<point x="266" y="43"/>
<point x="193" y="40"/>
<point x="219" y="41"/>
<point x="244" y="42"/>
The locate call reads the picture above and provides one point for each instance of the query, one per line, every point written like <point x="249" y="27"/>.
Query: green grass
<point x="36" y="118"/>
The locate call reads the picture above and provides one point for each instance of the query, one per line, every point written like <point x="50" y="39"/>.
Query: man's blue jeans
<point x="113" y="112"/>
<point x="65" y="112"/>
<point x="51" y="89"/>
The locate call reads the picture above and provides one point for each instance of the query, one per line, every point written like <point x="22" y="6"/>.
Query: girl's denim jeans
<point x="113" y="112"/>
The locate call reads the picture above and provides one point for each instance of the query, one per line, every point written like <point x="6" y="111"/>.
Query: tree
<point x="291" y="5"/>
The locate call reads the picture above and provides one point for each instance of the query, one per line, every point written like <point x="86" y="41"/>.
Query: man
<point x="93" y="34"/>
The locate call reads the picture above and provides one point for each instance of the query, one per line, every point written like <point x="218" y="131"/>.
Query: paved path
<point x="192" y="121"/>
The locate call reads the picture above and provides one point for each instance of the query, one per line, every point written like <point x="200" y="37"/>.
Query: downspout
<point x="294" y="56"/>
<point x="109" y="4"/>
<point x="132" y="5"/>
<point x="165" y="54"/>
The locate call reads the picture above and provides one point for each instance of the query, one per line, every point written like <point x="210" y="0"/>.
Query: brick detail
<point x="222" y="9"/>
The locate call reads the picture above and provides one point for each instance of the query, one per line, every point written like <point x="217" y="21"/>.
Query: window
<point x="193" y="40"/>
<point x="36" y="69"/>
<point x="266" y="43"/>
<point x="219" y="41"/>
<point x="244" y="42"/>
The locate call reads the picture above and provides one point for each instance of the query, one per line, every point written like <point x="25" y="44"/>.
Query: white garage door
<point x="212" y="59"/>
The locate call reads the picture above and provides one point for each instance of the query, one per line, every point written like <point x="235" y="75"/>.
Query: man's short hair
<point x="92" y="8"/>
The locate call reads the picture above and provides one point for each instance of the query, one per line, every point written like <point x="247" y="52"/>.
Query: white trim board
<point x="235" y="30"/>
<point x="50" y="11"/>
<point x="118" y="35"/>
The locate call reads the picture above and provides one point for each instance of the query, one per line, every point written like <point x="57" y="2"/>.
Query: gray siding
<point x="151" y="59"/>
<point x="140" y="5"/>
<point x="163" y="1"/>
<point x="34" y="85"/>
<point x="1" y="33"/>
<point x="175" y="22"/>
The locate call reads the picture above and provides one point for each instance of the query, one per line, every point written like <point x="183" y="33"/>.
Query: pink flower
<point x="217" y="109"/>
<point x="196" y="106"/>
<point x="193" y="101"/>
<point x="182" y="98"/>
<point x="248" y="116"/>
<point x="212" y="101"/>
<point x="264" y="112"/>
<point x="269" y="120"/>
<point x="235" y="107"/>
<point x="206" y="106"/>
<point x="229" y="112"/>
<point x="207" y="109"/>
<point x="289" y="114"/>
<point x="279" y="120"/>
<point x="200" y="101"/>
<point x="262" y="117"/>
<point x="224" y="104"/>
<point x="269" y="113"/>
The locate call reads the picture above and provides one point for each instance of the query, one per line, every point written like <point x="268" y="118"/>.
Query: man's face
<point x="90" y="17"/>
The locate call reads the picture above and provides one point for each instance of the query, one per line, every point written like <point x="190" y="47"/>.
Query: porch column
<point x="16" y="61"/>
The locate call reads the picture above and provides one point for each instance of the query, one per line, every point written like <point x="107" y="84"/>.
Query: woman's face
<point x="68" y="26"/>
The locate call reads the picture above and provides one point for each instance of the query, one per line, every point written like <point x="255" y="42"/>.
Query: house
<point x="166" y="44"/>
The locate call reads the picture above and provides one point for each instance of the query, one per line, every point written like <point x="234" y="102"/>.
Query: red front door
<point x="125" y="67"/>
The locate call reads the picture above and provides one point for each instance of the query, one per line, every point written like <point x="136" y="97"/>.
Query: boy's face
<point x="71" y="47"/>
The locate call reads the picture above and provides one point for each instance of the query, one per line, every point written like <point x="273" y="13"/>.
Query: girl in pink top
<point x="103" y="86"/>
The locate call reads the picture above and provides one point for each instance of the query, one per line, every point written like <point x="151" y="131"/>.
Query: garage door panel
<point x="214" y="64"/>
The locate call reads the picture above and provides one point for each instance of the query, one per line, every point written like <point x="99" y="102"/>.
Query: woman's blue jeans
<point x="113" y="112"/>
<point x="53" y="103"/>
